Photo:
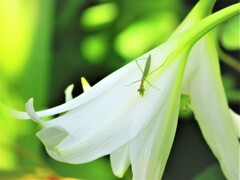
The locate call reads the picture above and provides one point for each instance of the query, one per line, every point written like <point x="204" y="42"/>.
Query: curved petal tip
<point x="31" y="112"/>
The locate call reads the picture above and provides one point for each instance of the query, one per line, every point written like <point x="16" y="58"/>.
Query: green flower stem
<point x="196" y="31"/>
<point x="229" y="60"/>
<point x="201" y="10"/>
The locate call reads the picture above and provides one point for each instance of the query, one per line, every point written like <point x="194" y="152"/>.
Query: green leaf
<point x="212" y="173"/>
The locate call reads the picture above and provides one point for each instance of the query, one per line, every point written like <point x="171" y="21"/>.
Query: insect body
<point x="145" y="74"/>
<point x="141" y="88"/>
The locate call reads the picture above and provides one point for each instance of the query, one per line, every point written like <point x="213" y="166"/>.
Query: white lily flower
<point x="202" y="82"/>
<point x="112" y="118"/>
<point x="115" y="128"/>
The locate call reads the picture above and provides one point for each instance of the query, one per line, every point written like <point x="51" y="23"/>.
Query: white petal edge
<point x="68" y="93"/>
<point x="32" y="114"/>
<point x="51" y="137"/>
<point x="120" y="161"/>
<point x="236" y="121"/>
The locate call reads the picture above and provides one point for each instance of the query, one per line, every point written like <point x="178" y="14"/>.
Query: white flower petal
<point x="150" y="150"/>
<point x="120" y="160"/>
<point x="68" y="93"/>
<point x="32" y="114"/>
<point x="50" y="137"/>
<point x="203" y="84"/>
<point x="236" y="121"/>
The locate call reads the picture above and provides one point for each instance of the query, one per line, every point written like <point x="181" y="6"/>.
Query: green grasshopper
<point x="145" y="74"/>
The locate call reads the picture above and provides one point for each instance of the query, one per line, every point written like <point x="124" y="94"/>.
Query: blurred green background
<point x="45" y="45"/>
